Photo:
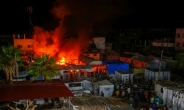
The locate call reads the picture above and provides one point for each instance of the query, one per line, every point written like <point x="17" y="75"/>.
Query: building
<point x="25" y="44"/>
<point x="179" y="39"/>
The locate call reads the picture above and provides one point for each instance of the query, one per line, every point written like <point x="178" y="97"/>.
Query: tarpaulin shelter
<point x="124" y="76"/>
<point x="87" y="85"/>
<point x="154" y="74"/>
<point x="103" y="86"/>
<point x="126" y="58"/>
<point x="140" y="61"/>
<point x="113" y="66"/>
<point x="23" y="90"/>
<point x="171" y="93"/>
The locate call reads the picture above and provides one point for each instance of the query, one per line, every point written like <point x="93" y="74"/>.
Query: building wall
<point x="26" y="45"/>
<point x="179" y="39"/>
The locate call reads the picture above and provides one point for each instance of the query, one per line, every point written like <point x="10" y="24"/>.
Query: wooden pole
<point x="160" y="65"/>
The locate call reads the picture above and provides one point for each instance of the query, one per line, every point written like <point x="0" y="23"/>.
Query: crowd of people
<point x="139" y="96"/>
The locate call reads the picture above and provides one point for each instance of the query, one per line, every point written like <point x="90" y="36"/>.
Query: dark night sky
<point x="117" y="13"/>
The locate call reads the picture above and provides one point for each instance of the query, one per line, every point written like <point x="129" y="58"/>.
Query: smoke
<point x="75" y="26"/>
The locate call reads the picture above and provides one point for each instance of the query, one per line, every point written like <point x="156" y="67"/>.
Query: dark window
<point x="95" y="54"/>
<point x="177" y="44"/>
<point x="183" y="35"/>
<point x="19" y="46"/>
<point x="30" y="46"/>
<point x="178" y="35"/>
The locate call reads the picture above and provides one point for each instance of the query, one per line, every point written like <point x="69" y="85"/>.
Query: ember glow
<point x="65" y="42"/>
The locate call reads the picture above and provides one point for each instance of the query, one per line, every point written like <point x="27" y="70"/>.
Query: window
<point x="30" y="46"/>
<point x="95" y="55"/>
<point x="177" y="44"/>
<point x="183" y="35"/>
<point x="178" y="35"/>
<point x="19" y="46"/>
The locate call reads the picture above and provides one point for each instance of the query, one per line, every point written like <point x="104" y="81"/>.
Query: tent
<point x="171" y="93"/>
<point x="112" y="66"/>
<point x="140" y="61"/>
<point x="103" y="86"/>
<point x="124" y="76"/>
<point x="126" y="58"/>
<point x="154" y="74"/>
<point x="155" y="64"/>
<point x="87" y="85"/>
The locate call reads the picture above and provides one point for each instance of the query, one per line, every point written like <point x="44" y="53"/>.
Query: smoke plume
<point x="75" y="27"/>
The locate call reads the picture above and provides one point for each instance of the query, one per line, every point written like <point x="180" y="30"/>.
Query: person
<point x="123" y="94"/>
<point x="157" y="103"/>
<point x="146" y="96"/>
<point x="152" y="100"/>
<point x="102" y="94"/>
<point x="165" y="107"/>
<point x="117" y="93"/>
<point x="131" y="101"/>
<point x="128" y="91"/>
<point x="150" y="108"/>
<point x="154" y="107"/>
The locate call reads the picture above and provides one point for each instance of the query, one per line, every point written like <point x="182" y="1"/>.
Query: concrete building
<point x="25" y="45"/>
<point x="179" y="39"/>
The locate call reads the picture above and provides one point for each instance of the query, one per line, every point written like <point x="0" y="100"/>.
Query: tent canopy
<point x="22" y="90"/>
<point x="116" y="65"/>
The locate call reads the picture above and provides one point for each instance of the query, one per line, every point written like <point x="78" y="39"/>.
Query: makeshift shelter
<point x="113" y="66"/>
<point x="171" y="93"/>
<point x="126" y="58"/>
<point x="103" y="86"/>
<point x="75" y="71"/>
<point x="124" y="76"/>
<point x="155" y="64"/>
<point x="89" y="61"/>
<point x="155" y="74"/>
<point x="87" y="85"/>
<point x="140" y="61"/>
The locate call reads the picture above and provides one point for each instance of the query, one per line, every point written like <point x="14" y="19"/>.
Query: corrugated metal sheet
<point x="21" y="90"/>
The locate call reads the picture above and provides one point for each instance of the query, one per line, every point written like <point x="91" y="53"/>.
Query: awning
<point x="22" y="90"/>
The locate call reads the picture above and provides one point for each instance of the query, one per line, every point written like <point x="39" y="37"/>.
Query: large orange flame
<point x="57" y="43"/>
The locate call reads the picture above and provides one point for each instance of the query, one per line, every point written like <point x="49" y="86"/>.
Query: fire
<point x="65" y="42"/>
<point x="61" y="62"/>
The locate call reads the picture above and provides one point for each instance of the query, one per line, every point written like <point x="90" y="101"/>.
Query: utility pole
<point x="160" y="66"/>
<point x="30" y="10"/>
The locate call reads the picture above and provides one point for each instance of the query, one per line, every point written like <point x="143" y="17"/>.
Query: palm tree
<point x="10" y="60"/>
<point x="43" y="67"/>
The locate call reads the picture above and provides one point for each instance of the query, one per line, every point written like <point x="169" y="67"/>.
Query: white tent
<point x="87" y="85"/>
<point x="103" y="86"/>
<point x="154" y="74"/>
<point x="172" y="95"/>
<point x="125" y="77"/>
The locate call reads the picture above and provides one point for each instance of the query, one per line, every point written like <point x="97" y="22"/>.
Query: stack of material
<point x="87" y="103"/>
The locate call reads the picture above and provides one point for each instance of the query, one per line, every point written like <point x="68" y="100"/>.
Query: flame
<point x="61" y="62"/>
<point x="65" y="42"/>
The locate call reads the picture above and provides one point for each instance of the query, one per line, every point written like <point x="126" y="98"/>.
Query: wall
<point x="179" y="39"/>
